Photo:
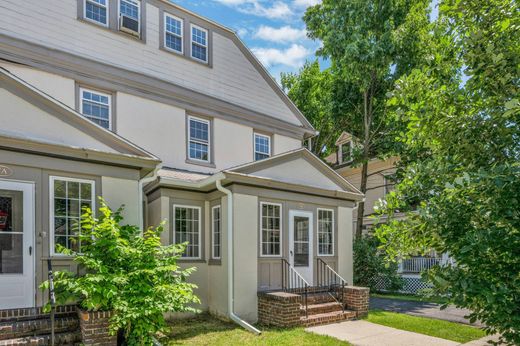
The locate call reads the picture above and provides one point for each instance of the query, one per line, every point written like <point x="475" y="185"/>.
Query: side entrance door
<point x="300" y="243"/>
<point x="16" y="245"/>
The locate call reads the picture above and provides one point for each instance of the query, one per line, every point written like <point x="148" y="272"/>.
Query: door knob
<point x="291" y="252"/>
<point x="30" y="250"/>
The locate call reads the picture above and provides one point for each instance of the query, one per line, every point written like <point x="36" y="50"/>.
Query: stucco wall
<point x="119" y="192"/>
<point x="345" y="252"/>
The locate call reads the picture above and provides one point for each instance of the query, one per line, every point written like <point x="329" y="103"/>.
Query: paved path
<point x="423" y="309"/>
<point x="363" y="333"/>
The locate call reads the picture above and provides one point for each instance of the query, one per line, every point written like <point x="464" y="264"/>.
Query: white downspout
<point x="140" y="186"/>
<point x="231" y="304"/>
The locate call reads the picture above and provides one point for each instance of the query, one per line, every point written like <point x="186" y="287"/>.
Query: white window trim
<point x="341" y="151"/>
<point x="318" y="232"/>
<point x="254" y="144"/>
<point x="181" y="36"/>
<point x="175" y="206"/>
<point x="106" y="6"/>
<point x="198" y="44"/>
<point x="81" y="90"/>
<point x="262" y="233"/>
<point x="52" y="179"/>
<point x="213" y="232"/>
<point x="138" y="14"/>
<point x="190" y="118"/>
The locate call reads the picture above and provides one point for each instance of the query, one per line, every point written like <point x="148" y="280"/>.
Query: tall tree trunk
<point x="367" y="123"/>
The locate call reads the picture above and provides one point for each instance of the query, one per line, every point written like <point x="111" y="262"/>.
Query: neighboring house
<point x="152" y="106"/>
<point x="381" y="180"/>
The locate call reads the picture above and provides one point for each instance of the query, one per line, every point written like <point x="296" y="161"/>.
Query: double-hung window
<point x="271" y="229"/>
<point x="262" y="147"/>
<point x="346" y="152"/>
<point x="129" y="14"/>
<point x="216" y="232"/>
<point x="187" y="225"/>
<point x="199" y="139"/>
<point x="199" y="43"/>
<point x="96" y="107"/>
<point x="96" y="11"/>
<point x="173" y="31"/>
<point x="68" y="198"/>
<point x="325" y="232"/>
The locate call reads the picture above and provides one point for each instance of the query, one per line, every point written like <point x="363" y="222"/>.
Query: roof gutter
<point x="231" y="291"/>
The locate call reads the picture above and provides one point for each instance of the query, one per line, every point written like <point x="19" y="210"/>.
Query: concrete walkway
<point x="363" y="333"/>
<point x="423" y="309"/>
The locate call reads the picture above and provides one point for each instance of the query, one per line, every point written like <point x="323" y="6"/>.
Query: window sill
<point x="215" y="262"/>
<point x="201" y="163"/>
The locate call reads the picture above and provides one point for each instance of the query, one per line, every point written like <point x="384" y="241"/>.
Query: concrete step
<point x="314" y="309"/>
<point x="68" y="339"/>
<point x="24" y="314"/>
<point x="41" y="326"/>
<point x="327" y="318"/>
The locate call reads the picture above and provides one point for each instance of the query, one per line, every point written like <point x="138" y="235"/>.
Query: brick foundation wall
<point x="94" y="328"/>
<point x="279" y="309"/>
<point x="357" y="299"/>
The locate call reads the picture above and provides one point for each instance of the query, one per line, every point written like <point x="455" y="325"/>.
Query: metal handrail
<point x="52" y="299"/>
<point x="329" y="279"/>
<point x="293" y="282"/>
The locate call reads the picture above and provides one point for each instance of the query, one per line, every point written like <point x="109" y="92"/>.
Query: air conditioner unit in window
<point x="129" y="25"/>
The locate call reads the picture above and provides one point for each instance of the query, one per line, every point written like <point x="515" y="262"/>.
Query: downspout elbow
<point x="231" y="309"/>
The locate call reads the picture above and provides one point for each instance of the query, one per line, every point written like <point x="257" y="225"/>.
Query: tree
<point x="126" y="272"/>
<point x="461" y="161"/>
<point x="371" y="43"/>
<point x="311" y="91"/>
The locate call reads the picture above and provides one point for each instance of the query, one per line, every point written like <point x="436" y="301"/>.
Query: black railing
<point x="330" y="281"/>
<point x="52" y="299"/>
<point x="293" y="282"/>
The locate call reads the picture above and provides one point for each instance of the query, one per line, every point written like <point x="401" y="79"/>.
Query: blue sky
<point x="272" y="29"/>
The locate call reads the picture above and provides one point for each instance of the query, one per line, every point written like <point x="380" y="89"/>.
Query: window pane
<point x="216" y="232"/>
<point x="325" y="232"/>
<point x="199" y="52"/>
<point x="199" y="151"/>
<point x="96" y="10"/>
<point x="271" y="230"/>
<point x="96" y="108"/>
<point x="173" y="26"/>
<point x="199" y="130"/>
<point x="262" y="147"/>
<point x="173" y="42"/>
<point x="187" y="230"/>
<point x="130" y="8"/>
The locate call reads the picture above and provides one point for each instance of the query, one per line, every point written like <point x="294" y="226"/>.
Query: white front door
<point x="16" y="245"/>
<point x="300" y="243"/>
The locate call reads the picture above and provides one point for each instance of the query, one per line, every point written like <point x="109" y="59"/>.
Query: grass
<point x="442" y="329"/>
<point x="207" y="330"/>
<point x="410" y="297"/>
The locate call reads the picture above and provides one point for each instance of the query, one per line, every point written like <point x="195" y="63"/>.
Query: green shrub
<point x="370" y="266"/>
<point x="128" y="272"/>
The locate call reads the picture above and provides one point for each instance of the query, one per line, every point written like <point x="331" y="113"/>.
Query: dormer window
<point x="129" y="16"/>
<point x="345" y="152"/>
<point x="173" y="31"/>
<point x="199" y="43"/>
<point x="96" y="11"/>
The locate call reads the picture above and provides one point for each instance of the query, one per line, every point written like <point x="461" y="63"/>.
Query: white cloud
<point x="242" y="32"/>
<point x="275" y="10"/>
<point x="283" y="34"/>
<point x="305" y="3"/>
<point x="293" y="56"/>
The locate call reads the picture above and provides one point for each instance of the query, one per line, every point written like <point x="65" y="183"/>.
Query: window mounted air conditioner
<point x="129" y="25"/>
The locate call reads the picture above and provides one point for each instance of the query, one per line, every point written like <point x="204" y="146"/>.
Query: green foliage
<point x="370" y="266"/>
<point x="311" y="91"/>
<point x="126" y="272"/>
<point x="460" y="163"/>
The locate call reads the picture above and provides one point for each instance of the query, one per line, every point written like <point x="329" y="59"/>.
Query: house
<point x="152" y="106"/>
<point x="381" y="180"/>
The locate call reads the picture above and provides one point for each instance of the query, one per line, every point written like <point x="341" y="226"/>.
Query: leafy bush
<point x="127" y="272"/>
<point x="370" y="266"/>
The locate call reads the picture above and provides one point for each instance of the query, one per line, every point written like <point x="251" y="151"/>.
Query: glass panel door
<point x="11" y="232"/>
<point x="301" y="241"/>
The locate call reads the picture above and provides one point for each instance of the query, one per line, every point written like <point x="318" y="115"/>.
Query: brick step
<point x="25" y="314"/>
<point x="326" y="318"/>
<point x="64" y="339"/>
<point x="314" y="309"/>
<point x="319" y="298"/>
<point x="18" y="329"/>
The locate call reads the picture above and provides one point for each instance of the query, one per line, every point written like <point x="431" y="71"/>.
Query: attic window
<point x="96" y="107"/>
<point x="199" y="43"/>
<point x="173" y="28"/>
<point x="346" y="152"/>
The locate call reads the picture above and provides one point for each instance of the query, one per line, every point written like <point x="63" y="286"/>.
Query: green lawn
<point x="442" y="329"/>
<point x="415" y="298"/>
<point x="206" y="330"/>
